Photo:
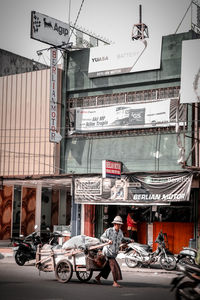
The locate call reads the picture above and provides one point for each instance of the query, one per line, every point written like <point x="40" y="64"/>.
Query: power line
<point x="183" y="17"/>
<point x="76" y="19"/>
<point x="62" y="56"/>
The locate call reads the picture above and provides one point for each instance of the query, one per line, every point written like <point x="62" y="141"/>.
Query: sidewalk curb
<point x="156" y="271"/>
<point x="149" y="270"/>
<point x="6" y="252"/>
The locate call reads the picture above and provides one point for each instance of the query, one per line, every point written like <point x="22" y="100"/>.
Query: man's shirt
<point x="116" y="237"/>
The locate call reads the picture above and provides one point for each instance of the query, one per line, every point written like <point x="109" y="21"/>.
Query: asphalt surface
<point x="26" y="282"/>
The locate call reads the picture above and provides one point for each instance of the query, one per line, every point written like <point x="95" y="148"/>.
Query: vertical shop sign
<point x="53" y="96"/>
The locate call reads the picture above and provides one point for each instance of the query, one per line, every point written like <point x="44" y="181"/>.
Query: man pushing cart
<point x="83" y="255"/>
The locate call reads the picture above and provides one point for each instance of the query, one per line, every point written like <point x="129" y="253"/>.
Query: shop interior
<point x="150" y="219"/>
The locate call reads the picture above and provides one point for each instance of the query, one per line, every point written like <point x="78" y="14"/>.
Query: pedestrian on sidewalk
<point x="114" y="236"/>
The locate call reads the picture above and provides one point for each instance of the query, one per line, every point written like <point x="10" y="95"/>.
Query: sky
<point x="112" y="19"/>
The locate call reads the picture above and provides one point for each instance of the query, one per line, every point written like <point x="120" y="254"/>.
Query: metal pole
<point x="140" y="14"/>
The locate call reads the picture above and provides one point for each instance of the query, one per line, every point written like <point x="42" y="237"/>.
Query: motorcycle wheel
<point x="64" y="271"/>
<point x="20" y="258"/>
<point x="84" y="276"/>
<point x="130" y="259"/>
<point x="168" y="263"/>
<point x="186" y="291"/>
<point x="187" y="260"/>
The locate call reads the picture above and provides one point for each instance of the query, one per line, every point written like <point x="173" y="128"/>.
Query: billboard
<point x="118" y="59"/>
<point x="144" y="188"/>
<point x="48" y="30"/>
<point x="127" y="116"/>
<point x="190" y="72"/>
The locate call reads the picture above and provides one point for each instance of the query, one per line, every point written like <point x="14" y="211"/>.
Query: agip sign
<point x="49" y="30"/>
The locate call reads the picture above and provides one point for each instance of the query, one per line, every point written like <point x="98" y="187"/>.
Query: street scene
<point x="99" y="149"/>
<point x="17" y="282"/>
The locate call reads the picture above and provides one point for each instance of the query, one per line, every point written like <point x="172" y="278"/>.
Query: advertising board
<point x="190" y="72"/>
<point x="142" y="189"/>
<point x="49" y="30"/>
<point x="118" y="59"/>
<point x="127" y="116"/>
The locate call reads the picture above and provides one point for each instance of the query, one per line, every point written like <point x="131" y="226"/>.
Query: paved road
<point x="22" y="283"/>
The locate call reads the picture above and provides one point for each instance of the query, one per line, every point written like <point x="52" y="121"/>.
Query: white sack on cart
<point x="80" y="241"/>
<point x="49" y="247"/>
<point x="46" y="247"/>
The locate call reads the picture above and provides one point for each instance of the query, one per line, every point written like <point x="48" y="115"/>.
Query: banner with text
<point x="141" y="55"/>
<point x="134" y="189"/>
<point x="53" y="96"/>
<point x="127" y="116"/>
<point x="49" y="30"/>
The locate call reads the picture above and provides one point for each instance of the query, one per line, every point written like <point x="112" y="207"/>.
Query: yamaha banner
<point x="141" y="188"/>
<point x="137" y="56"/>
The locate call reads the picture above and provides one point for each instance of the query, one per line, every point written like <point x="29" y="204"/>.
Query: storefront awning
<point x="56" y="183"/>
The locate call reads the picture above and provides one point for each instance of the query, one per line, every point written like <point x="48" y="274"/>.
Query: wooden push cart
<point x="65" y="262"/>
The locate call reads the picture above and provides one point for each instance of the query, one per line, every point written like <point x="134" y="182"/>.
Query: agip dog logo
<point x="49" y="30"/>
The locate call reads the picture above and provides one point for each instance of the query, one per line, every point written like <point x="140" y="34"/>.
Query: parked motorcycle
<point x="54" y="238"/>
<point x="139" y="254"/>
<point x="187" y="284"/>
<point x="25" y="249"/>
<point x="187" y="256"/>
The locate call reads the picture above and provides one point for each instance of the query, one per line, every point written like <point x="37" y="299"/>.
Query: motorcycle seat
<point x="144" y="246"/>
<point x="188" y="248"/>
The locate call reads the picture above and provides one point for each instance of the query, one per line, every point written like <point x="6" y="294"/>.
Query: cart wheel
<point x="84" y="276"/>
<point x="64" y="271"/>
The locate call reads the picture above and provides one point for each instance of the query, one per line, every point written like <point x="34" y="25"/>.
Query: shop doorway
<point x="55" y="208"/>
<point x="174" y="219"/>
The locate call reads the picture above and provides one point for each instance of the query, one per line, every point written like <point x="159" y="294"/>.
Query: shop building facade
<point x="30" y="191"/>
<point x="149" y="150"/>
<point x="43" y="178"/>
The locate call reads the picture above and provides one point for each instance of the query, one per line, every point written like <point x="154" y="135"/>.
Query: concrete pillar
<point x="38" y="205"/>
<point x="82" y="219"/>
<point x="75" y="219"/>
<point x="75" y="215"/>
<point x="62" y="208"/>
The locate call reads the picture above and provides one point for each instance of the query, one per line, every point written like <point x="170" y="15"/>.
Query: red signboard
<point x="111" y="168"/>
